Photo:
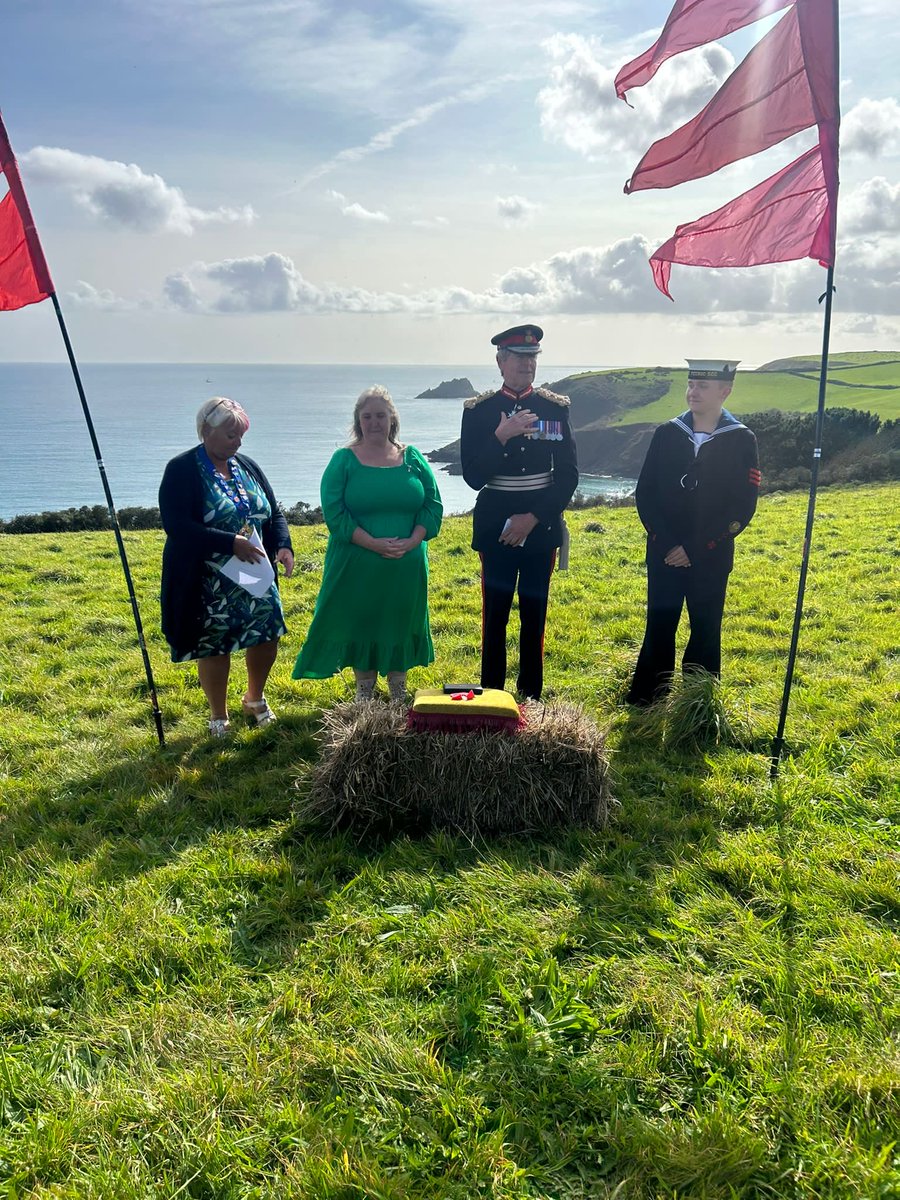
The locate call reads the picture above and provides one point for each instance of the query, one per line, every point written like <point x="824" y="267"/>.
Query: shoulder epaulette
<point x="556" y="398"/>
<point x="473" y="401"/>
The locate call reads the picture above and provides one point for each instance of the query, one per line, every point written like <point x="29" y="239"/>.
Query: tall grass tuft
<point x="695" y="715"/>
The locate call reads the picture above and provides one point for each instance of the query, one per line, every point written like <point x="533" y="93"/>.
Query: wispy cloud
<point x="123" y="195"/>
<point x="355" y="210"/>
<point x="386" y="138"/>
<point x="516" y="210"/>
<point x="85" y="295"/>
<point x="360" y="57"/>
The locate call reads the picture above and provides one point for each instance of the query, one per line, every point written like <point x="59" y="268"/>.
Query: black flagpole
<point x="778" y="740"/>
<point x="114" y="519"/>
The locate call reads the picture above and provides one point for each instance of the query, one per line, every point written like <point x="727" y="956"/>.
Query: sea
<point x="143" y="414"/>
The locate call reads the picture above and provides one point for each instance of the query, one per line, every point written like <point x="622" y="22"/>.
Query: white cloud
<point x="867" y="278"/>
<point x="872" y="128"/>
<point x="591" y="279"/>
<point x="516" y="210"/>
<point x="356" y="211"/>
<point x="181" y="293"/>
<point x="85" y="295"/>
<point x="270" y="283"/>
<point x="122" y="194"/>
<point x="874" y="207"/>
<point x="612" y="279"/>
<point x="579" y="107"/>
<point x="867" y="325"/>
<point x="430" y="223"/>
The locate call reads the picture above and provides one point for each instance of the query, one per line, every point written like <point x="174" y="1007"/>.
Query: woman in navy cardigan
<point x="216" y="504"/>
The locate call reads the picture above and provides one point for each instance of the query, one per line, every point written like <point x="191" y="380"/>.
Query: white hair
<point x="217" y="411"/>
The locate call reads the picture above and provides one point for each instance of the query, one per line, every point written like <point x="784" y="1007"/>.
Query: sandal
<point x="219" y="727"/>
<point x="258" y="712"/>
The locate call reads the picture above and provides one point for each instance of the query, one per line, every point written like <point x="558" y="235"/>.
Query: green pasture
<point x="845" y="360"/>
<point x="872" y="386"/>
<point x="201" y="998"/>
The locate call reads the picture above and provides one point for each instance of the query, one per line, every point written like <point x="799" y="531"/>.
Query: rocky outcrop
<point x="449" y="389"/>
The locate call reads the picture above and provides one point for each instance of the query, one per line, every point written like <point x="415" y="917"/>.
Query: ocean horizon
<point x="143" y="414"/>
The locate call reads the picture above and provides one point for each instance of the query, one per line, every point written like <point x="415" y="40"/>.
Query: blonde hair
<point x="375" y="392"/>
<point x="217" y="411"/>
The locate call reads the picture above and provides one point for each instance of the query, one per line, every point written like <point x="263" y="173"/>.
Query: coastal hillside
<point x="615" y="412"/>
<point x="869" y="382"/>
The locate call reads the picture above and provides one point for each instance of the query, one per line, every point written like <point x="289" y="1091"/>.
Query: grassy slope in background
<point x="198" y="1000"/>
<point x="868" y="380"/>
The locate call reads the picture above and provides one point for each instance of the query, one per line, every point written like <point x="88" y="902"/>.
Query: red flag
<point x="787" y="83"/>
<point x="690" y="24"/>
<point x="765" y="100"/>
<point x="778" y="220"/>
<point x="24" y="277"/>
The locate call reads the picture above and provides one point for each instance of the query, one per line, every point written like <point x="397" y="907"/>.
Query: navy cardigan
<point x="189" y="543"/>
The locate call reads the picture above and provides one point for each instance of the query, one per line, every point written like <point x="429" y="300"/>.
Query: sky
<point x="393" y="182"/>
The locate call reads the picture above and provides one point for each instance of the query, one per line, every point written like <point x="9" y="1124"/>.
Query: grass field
<point x="200" y="999"/>
<point x="867" y="381"/>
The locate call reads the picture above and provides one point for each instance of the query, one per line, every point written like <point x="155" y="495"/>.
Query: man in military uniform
<point x="696" y="492"/>
<point x="517" y="450"/>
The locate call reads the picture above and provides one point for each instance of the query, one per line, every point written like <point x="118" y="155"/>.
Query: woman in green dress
<point x="381" y="504"/>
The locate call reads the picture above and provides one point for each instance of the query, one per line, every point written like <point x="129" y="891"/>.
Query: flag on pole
<point x="24" y="277"/>
<point x="780" y="219"/>
<point x="787" y="83"/>
<point x="690" y="24"/>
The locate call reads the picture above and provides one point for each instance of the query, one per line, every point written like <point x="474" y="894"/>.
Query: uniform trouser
<point x="668" y="589"/>
<point x="501" y="569"/>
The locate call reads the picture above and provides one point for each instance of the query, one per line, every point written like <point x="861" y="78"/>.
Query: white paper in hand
<point x="256" y="578"/>
<point x="506" y="525"/>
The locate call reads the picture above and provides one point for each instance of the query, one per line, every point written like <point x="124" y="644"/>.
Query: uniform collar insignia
<point x="727" y="422"/>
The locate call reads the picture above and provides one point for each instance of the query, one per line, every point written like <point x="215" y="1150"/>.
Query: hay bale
<point x="377" y="775"/>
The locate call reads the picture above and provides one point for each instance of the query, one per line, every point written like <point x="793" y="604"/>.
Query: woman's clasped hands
<point x="394" y="547"/>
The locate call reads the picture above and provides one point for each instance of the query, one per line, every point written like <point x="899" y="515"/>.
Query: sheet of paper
<point x="506" y="525"/>
<point x="256" y="578"/>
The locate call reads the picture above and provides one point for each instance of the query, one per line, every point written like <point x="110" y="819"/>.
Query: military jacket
<point x="700" y="501"/>
<point x="536" y="474"/>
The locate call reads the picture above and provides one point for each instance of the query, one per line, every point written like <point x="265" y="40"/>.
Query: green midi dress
<point x="372" y="612"/>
